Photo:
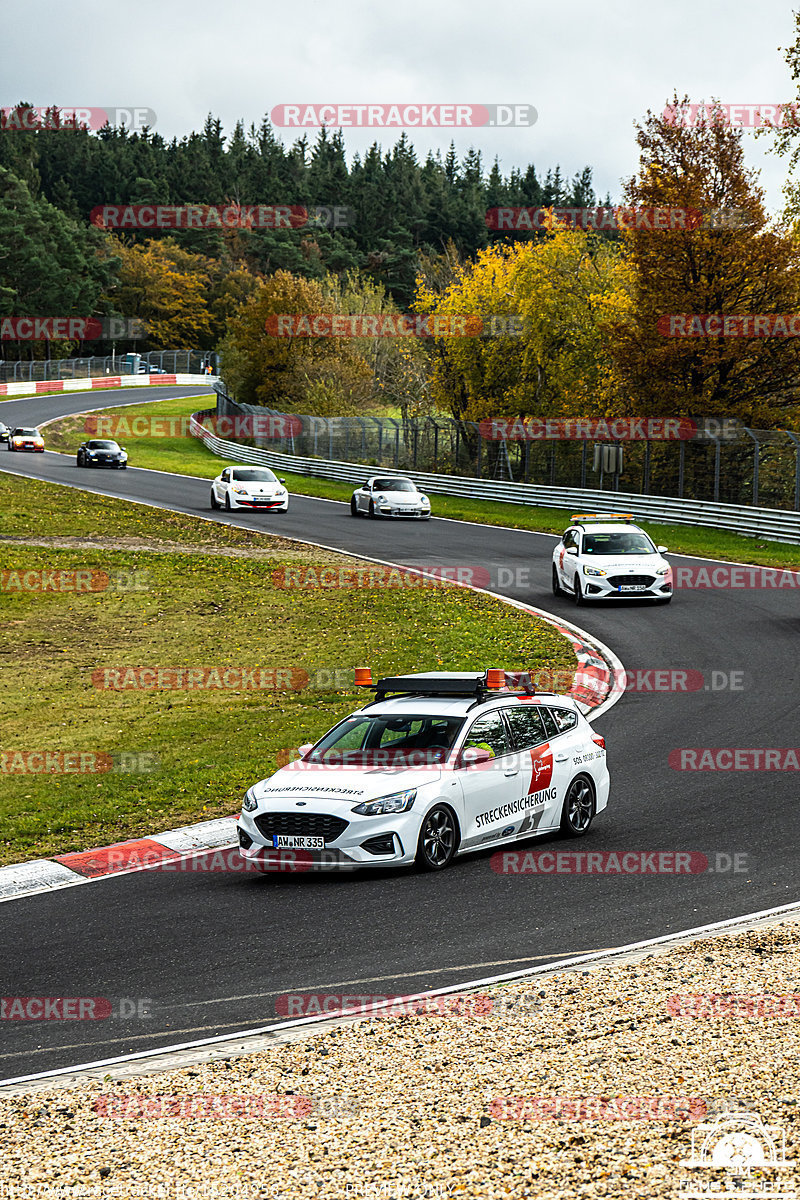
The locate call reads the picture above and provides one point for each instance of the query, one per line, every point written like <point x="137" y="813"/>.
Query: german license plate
<point x="632" y="587"/>
<point x="282" y="841"/>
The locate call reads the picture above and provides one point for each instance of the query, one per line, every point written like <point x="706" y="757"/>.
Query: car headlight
<point x="240" y="491"/>
<point x="382" y="500"/>
<point x="424" y="501"/>
<point x="663" y="570"/>
<point x="397" y="802"/>
<point x="281" y="492"/>
<point x="593" y="571"/>
<point x="249" y="804"/>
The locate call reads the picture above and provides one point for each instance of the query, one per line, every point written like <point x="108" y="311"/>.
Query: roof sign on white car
<point x="580" y="517"/>
<point x="478" y="685"/>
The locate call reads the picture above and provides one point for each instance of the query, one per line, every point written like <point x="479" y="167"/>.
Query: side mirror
<point x="474" y="756"/>
<point x="573" y="550"/>
<point x="303" y="750"/>
<point x="281" y="481"/>
<point x="661" y="549"/>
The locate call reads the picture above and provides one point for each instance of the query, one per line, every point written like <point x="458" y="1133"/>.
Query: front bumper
<point x="348" y="851"/>
<point x="257" y="506"/>
<point x="622" y="587"/>
<point x="29" y="447"/>
<point x="420" y="514"/>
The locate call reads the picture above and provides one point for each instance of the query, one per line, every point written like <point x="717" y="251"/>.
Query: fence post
<point x="480" y="452"/>
<point x="435" y="445"/>
<point x="646" y="482"/>
<point x="396" y="445"/>
<point x="796" y="469"/>
<point x="681" y="464"/>
<point x="756" y="462"/>
<point x="717" y="449"/>
<point x="416" y="442"/>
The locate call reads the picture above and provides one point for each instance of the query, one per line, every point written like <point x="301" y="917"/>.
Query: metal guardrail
<point x="739" y="466"/>
<point x="778" y="525"/>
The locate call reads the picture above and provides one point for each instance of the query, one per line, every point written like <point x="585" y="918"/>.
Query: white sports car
<point x="390" y="496"/>
<point x="249" y="487"/>
<point x="434" y="766"/>
<point x="602" y="556"/>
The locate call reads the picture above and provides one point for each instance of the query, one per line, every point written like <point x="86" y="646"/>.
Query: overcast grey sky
<point x="590" y="67"/>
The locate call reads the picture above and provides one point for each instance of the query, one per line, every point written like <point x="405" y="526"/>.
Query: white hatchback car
<point x="603" y="556"/>
<point x="390" y="496"/>
<point x="434" y="766"/>
<point x="249" y="487"/>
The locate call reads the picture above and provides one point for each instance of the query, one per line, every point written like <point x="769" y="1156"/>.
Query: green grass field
<point x="186" y="455"/>
<point x="193" y="594"/>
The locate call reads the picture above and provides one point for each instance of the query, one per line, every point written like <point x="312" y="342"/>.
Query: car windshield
<point x="255" y="475"/>
<point x="26" y="433"/>
<point x="625" y="542"/>
<point x="396" y="741"/>
<point x="394" y="485"/>
<point x="103" y="446"/>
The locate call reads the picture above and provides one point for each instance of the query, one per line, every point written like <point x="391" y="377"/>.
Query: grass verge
<point x="187" y="456"/>
<point x="193" y="594"/>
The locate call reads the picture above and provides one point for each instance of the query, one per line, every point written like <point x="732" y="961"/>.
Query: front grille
<point x="635" y="580"/>
<point x="301" y="825"/>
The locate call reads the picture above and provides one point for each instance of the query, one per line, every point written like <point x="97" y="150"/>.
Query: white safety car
<point x="602" y="556"/>
<point x="390" y="496"/>
<point x="249" y="487"/>
<point x="436" y="765"/>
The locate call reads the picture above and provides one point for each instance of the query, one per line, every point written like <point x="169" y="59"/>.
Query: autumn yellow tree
<point x="168" y="288"/>
<point x="321" y="375"/>
<point x="545" y="308"/>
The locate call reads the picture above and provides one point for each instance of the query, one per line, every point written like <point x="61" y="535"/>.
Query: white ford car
<point x="602" y="556"/>
<point x="436" y="765"/>
<point x="389" y="496"/>
<point x="249" y="487"/>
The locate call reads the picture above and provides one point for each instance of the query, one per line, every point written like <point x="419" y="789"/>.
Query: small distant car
<point x="101" y="452"/>
<point x="602" y="556"/>
<point x="5" y="433"/>
<point x="26" y="439"/>
<point x="249" y="487"/>
<point x="390" y="496"/>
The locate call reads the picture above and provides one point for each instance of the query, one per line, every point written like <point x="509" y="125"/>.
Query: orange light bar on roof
<point x="495" y="678"/>
<point x="363" y="677"/>
<point x="602" y="517"/>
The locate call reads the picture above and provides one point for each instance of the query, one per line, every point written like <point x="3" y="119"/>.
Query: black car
<point x="102" y="453"/>
<point x="5" y="433"/>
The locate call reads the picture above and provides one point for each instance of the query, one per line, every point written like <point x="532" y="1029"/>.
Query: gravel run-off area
<point x="575" y="1084"/>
